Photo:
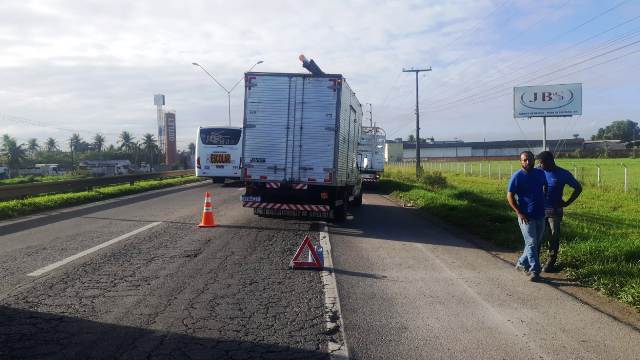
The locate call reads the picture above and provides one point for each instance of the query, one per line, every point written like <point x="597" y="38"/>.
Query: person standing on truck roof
<point x="557" y="178"/>
<point x="529" y="186"/>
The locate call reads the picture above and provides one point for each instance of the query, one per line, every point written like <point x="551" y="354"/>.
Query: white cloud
<point x="93" y="66"/>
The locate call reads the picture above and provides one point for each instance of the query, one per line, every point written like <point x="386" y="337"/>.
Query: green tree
<point x="192" y="148"/>
<point x="32" y="147"/>
<point x="625" y="130"/>
<point x="75" y="142"/>
<point x="51" y="145"/>
<point x="412" y="138"/>
<point x="127" y="143"/>
<point x="150" y="148"/>
<point x="98" y="142"/>
<point x="13" y="153"/>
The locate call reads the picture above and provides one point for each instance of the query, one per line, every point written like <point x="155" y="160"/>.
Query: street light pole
<point x="222" y="86"/>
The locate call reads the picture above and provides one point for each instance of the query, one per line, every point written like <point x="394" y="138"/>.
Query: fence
<point x="621" y="175"/>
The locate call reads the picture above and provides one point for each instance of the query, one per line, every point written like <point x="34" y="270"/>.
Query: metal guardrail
<point x="10" y="192"/>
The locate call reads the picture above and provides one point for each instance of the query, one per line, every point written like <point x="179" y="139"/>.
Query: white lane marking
<point x="332" y="315"/>
<point x="62" y="262"/>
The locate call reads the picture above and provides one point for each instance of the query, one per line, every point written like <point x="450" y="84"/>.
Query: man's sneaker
<point x="520" y="267"/>
<point x="534" y="277"/>
<point x="549" y="268"/>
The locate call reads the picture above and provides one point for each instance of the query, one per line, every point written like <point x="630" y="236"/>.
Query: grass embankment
<point x="600" y="245"/>
<point x="14" y="208"/>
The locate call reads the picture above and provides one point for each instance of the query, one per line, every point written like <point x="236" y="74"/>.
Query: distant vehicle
<point x="50" y="169"/>
<point x="301" y="133"/>
<point x="218" y="152"/>
<point x="41" y="170"/>
<point x="106" y="167"/>
<point x="371" y="153"/>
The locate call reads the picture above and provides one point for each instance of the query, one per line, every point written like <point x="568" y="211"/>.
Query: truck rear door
<point x="289" y="128"/>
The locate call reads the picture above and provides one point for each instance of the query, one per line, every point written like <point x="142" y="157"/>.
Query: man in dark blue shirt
<point x="557" y="178"/>
<point x="525" y="194"/>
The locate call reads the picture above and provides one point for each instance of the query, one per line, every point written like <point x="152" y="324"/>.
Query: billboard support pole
<point x="544" y="133"/>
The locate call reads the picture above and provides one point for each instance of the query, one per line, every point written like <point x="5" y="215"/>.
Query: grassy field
<point x="585" y="170"/>
<point x="600" y="244"/>
<point x="14" y="208"/>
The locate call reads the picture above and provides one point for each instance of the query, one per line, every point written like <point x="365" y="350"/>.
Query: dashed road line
<point x="62" y="262"/>
<point x="333" y="316"/>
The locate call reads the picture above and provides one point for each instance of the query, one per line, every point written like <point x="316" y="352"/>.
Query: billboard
<point x="547" y="100"/>
<point x="158" y="100"/>
<point x="171" y="155"/>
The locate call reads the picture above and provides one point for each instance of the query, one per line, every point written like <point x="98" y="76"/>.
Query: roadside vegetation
<point x="600" y="244"/>
<point x="14" y="208"/>
<point x="29" y="179"/>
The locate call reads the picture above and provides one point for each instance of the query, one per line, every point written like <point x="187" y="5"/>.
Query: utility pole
<point x="370" y="115"/>
<point x="418" y="167"/>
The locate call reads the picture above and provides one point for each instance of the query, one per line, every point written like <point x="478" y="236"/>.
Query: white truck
<point x="301" y="132"/>
<point x="371" y="153"/>
<point x="106" y="167"/>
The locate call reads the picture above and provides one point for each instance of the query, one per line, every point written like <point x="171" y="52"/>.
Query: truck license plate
<point x="251" y="198"/>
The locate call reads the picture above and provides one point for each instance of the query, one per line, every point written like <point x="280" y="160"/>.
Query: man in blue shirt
<point x="557" y="178"/>
<point x="525" y="194"/>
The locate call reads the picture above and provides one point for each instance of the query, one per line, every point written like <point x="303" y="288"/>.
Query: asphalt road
<point x="170" y="291"/>
<point x="411" y="290"/>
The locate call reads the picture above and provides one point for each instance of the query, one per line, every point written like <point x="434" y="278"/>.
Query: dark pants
<point x="552" y="219"/>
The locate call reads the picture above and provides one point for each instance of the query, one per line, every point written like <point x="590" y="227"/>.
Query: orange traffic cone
<point x="208" y="219"/>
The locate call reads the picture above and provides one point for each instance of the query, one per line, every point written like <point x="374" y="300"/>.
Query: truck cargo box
<point x="300" y="128"/>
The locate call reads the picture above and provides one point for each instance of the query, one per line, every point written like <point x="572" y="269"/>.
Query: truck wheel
<point x="357" y="200"/>
<point x="340" y="213"/>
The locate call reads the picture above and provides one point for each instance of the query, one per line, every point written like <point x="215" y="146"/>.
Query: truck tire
<point x="357" y="200"/>
<point x="340" y="212"/>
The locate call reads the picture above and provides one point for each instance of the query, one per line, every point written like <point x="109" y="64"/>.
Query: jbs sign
<point x="547" y="100"/>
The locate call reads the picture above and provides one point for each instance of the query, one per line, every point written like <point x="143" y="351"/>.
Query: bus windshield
<point x="217" y="136"/>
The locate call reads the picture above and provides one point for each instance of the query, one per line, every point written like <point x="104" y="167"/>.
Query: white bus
<point x="218" y="152"/>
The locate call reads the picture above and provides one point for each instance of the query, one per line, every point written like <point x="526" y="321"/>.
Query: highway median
<point x="600" y="244"/>
<point x="33" y="204"/>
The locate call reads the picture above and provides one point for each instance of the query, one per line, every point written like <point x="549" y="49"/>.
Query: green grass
<point x="34" y="179"/>
<point x="611" y="170"/>
<point x="600" y="244"/>
<point x="14" y="208"/>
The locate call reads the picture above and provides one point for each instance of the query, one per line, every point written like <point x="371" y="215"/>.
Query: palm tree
<point x="150" y="148"/>
<point x="98" y="142"/>
<point x="32" y="147"/>
<point x="127" y="142"/>
<point x="13" y="153"/>
<point x="51" y="145"/>
<point x="74" y="142"/>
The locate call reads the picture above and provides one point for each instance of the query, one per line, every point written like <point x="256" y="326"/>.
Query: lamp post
<point x="222" y="86"/>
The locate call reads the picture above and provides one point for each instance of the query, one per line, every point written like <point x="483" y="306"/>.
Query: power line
<point x="496" y="70"/>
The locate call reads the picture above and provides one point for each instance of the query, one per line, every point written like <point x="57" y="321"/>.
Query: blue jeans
<point x="532" y="234"/>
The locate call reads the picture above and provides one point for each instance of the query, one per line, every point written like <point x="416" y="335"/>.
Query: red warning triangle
<point x="298" y="264"/>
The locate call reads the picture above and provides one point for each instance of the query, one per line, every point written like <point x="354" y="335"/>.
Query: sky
<point x="93" y="66"/>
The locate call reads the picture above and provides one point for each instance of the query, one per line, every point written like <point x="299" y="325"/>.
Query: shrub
<point x="433" y="180"/>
